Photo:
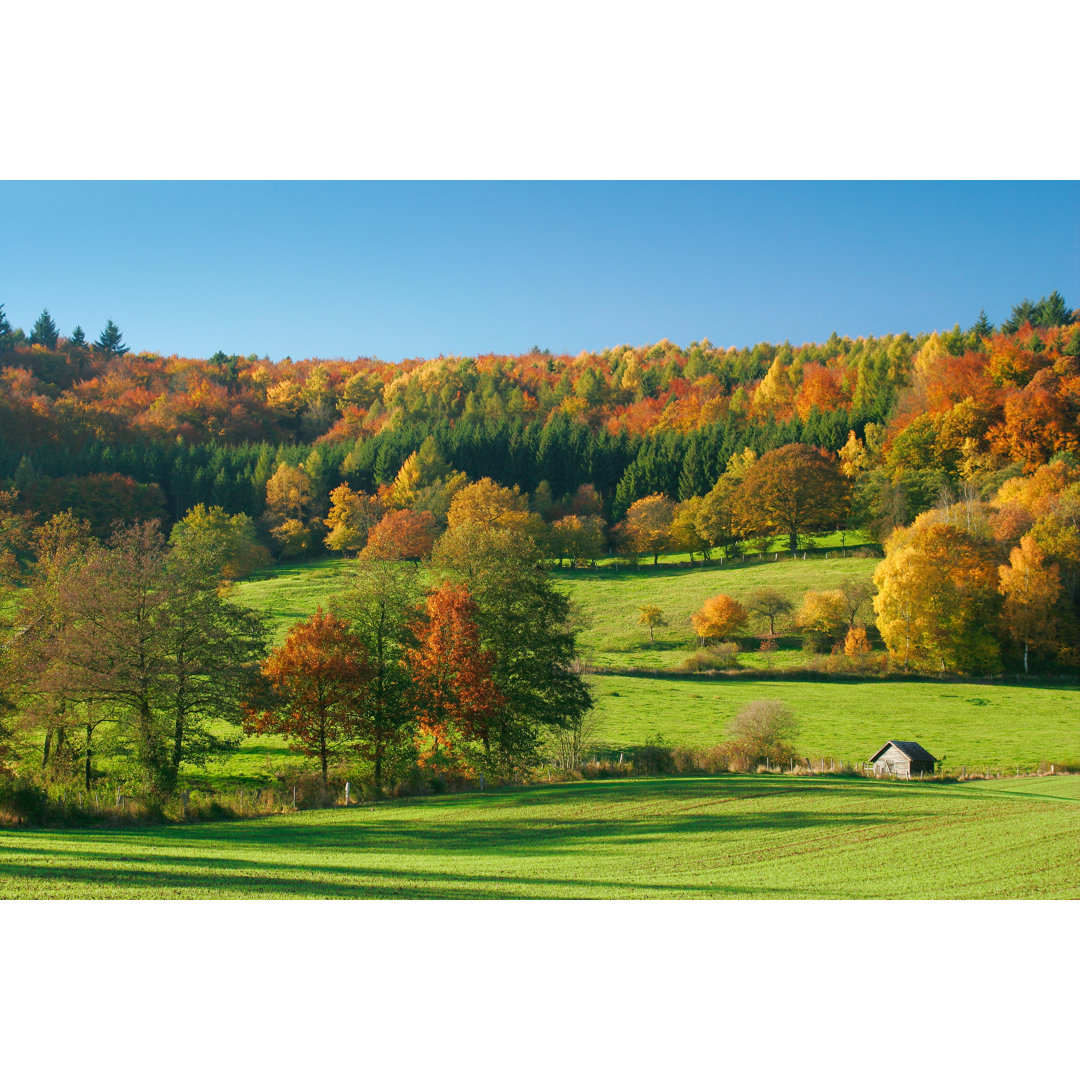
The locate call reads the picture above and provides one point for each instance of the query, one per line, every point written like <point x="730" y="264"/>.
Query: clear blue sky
<point x="416" y="269"/>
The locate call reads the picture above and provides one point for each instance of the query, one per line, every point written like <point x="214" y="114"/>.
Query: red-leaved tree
<point x="319" y="681"/>
<point x="454" y="695"/>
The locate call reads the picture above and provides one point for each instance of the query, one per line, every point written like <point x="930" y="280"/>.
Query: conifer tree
<point x="44" y="331"/>
<point x="111" y="342"/>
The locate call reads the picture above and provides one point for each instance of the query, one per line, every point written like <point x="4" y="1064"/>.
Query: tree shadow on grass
<point x="367" y="882"/>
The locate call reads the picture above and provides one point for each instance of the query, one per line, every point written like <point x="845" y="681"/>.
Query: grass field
<point x="730" y="836"/>
<point x="968" y="724"/>
<point x="974" y="724"/>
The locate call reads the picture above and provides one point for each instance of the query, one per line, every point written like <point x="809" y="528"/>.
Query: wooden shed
<point x="902" y="759"/>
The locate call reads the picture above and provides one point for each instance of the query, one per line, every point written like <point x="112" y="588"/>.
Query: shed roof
<point x="911" y="750"/>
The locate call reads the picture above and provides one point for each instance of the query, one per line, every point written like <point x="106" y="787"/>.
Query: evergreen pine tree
<point x="78" y="338"/>
<point x="1052" y="311"/>
<point x="5" y="330"/>
<point x="1021" y="313"/>
<point x="44" y="332"/>
<point x="692" y="478"/>
<point x="110" y="342"/>
<point x="983" y="326"/>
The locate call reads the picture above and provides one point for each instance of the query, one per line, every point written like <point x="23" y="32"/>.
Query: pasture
<point x="970" y="724"/>
<point x="975" y="724"/>
<point x="715" y="837"/>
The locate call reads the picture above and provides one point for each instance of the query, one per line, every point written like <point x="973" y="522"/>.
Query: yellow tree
<point x="352" y="515"/>
<point x="720" y="617"/>
<point x="938" y="598"/>
<point x="1031" y="589"/>
<point x="824" y="613"/>
<point x="686" y="529"/>
<point x="288" y="494"/>
<point x="490" y="504"/>
<point x="579" y="539"/>
<point x="648" y="526"/>
<point x="652" y="617"/>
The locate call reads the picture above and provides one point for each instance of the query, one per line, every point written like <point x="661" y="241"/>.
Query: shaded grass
<point x="732" y="836"/>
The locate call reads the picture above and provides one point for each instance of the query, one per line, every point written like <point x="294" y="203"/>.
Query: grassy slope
<point x="611" y="602"/>
<point x="731" y="836"/>
<point x="970" y="724"/>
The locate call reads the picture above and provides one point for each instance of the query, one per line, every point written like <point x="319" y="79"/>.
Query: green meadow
<point x="710" y="837"/>
<point x="987" y="724"/>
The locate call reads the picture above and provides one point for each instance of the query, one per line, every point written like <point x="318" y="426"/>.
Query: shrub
<point x="722" y="657"/>
<point x="22" y="802"/>
<point x="654" y="757"/>
<point x="761" y="729"/>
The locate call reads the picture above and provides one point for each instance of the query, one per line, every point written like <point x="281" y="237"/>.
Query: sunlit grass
<point x="731" y="836"/>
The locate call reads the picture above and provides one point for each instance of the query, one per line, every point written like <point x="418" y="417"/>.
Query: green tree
<point x="44" y="331"/>
<point x="769" y="604"/>
<point x="145" y="633"/>
<point x="229" y="542"/>
<point x="78" y="338"/>
<point x="5" y="330"/>
<point x="380" y="604"/>
<point x="110" y="342"/>
<point x="527" y="625"/>
<point x="982" y="326"/>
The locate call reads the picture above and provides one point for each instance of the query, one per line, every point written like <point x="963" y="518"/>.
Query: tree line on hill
<point x="146" y="431"/>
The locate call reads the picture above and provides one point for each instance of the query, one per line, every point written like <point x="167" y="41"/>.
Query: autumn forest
<point x="134" y="483"/>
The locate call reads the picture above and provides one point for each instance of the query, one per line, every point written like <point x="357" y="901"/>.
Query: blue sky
<point x="416" y="269"/>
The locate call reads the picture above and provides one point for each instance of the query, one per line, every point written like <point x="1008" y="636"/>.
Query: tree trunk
<point x="1025" y="656"/>
<point x="89" y="736"/>
<point x="793" y="542"/>
<point x="48" y="745"/>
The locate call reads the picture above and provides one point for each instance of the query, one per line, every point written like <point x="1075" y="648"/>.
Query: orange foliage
<point x="455" y="696"/>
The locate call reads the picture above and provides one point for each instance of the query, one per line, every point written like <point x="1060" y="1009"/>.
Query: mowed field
<point x="714" y="837"/>
<point x="997" y="725"/>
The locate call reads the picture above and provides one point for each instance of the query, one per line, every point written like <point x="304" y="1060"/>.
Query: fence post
<point x="346" y="792"/>
<point x="294" y="796"/>
<point x="481" y="781"/>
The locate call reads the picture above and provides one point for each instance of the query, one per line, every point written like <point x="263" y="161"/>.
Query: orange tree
<point x="402" y="534"/>
<point x="792" y="490"/>
<point x="455" y="698"/>
<point x="318" y="686"/>
<point x="1031" y="589"/>
<point x="720" y="617"/>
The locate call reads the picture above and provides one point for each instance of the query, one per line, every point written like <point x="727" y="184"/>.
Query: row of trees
<point x="974" y="582"/>
<point x="45" y="334"/>
<point x="137" y="637"/>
